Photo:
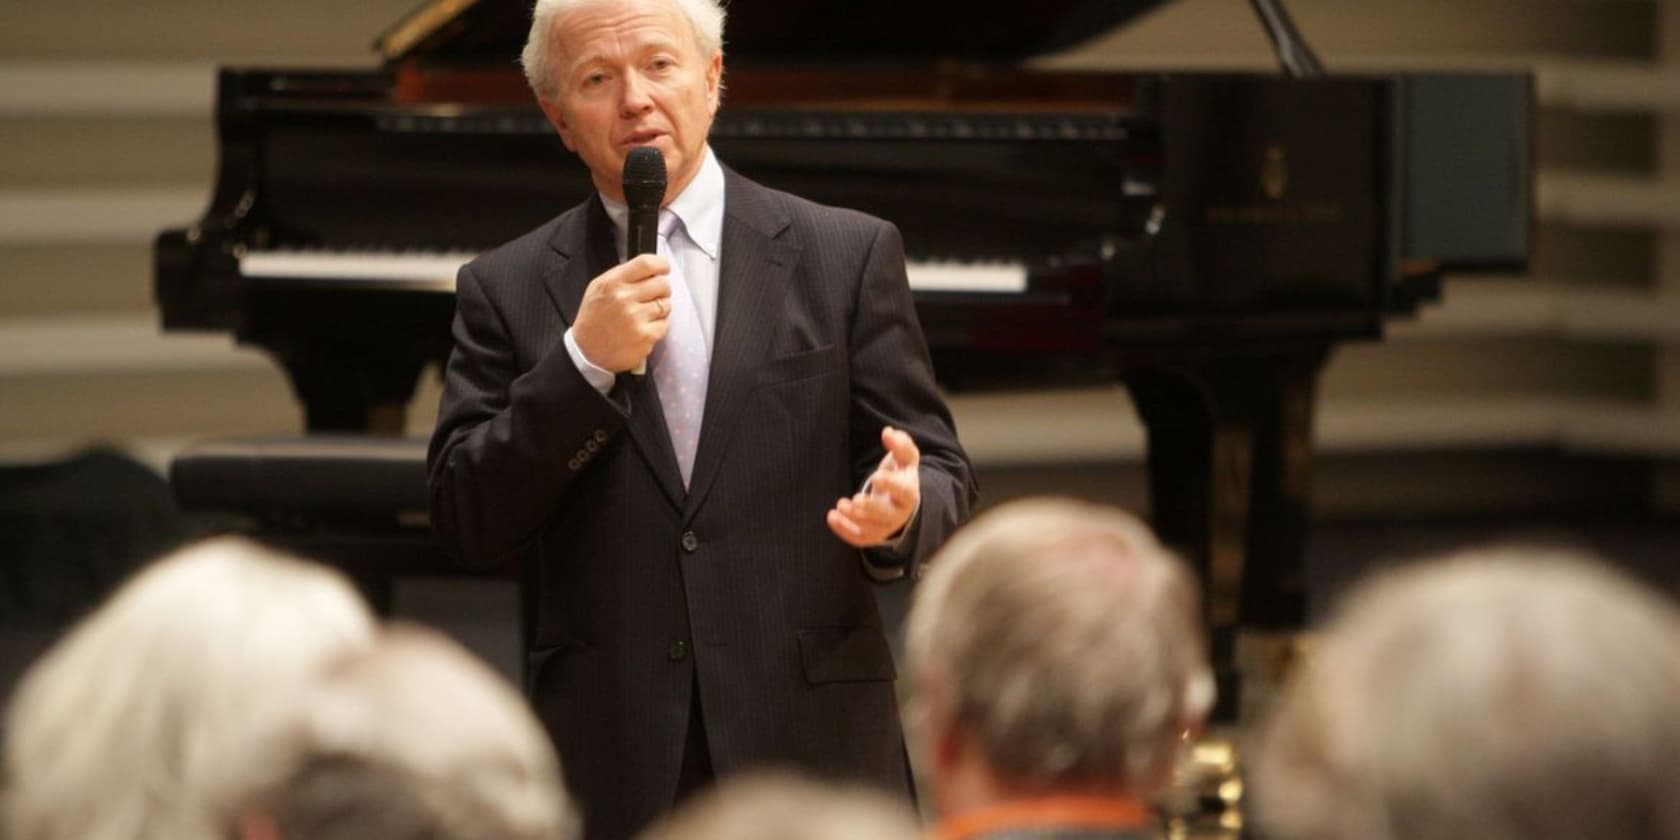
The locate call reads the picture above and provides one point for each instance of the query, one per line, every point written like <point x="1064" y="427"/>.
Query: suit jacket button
<point x="591" y="445"/>
<point x="600" y="436"/>
<point x="573" y="465"/>
<point x="690" y="542"/>
<point x="678" y="651"/>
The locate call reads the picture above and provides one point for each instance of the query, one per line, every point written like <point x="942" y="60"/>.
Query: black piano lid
<point x="788" y="31"/>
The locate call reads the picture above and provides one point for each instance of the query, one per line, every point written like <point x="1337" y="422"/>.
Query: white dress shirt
<point x="695" y="242"/>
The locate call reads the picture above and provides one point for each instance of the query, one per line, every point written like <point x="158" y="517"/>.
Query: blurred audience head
<point x="1495" y="695"/>
<point x="413" y="739"/>
<point x="1054" y="647"/>
<point x="115" y="733"/>
<point x="784" y="806"/>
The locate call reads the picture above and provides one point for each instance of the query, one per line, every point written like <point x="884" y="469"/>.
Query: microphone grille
<point x="644" y="177"/>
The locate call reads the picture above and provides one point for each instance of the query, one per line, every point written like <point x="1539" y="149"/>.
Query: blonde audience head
<point x="1494" y="695"/>
<point x="117" y="731"/>
<point x="1054" y="647"/>
<point x="785" y="806"/>
<point x="413" y="739"/>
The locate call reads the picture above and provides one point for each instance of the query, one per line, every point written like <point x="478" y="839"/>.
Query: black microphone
<point x="644" y="189"/>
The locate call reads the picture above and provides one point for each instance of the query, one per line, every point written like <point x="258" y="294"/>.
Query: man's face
<point x="629" y="73"/>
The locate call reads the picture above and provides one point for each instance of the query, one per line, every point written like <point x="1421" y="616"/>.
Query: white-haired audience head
<point x="1496" y="695"/>
<point x="1054" y="647"/>
<point x="705" y="18"/>
<point x="785" y="806"/>
<point x="117" y="731"/>
<point x="411" y="740"/>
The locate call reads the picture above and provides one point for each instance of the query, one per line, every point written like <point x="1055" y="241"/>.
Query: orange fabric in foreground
<point x="1062" y="811"/>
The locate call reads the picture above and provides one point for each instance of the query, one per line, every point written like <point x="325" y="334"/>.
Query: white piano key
<point x="997" y="277"/>
<point x="439" y="270"/>
<point x="364" y="266"/>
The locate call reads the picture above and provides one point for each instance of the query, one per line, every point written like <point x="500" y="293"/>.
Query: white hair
<point x="1066" y="641"/>
<point x="782" y="805"/>
<point x="1497" y="695"/>
<point x="115" y="732"/>
<point x="705" y="19"/>
<point x="412" y="740"/>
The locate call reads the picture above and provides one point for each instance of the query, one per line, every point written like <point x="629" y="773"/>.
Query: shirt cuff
<point x="899" y="541"/>
<point x="594" y="374"/>
<point x="887" y="561"/>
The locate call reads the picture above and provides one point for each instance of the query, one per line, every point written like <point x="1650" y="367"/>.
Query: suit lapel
<point x="757" y="262"/>
<point x="584" y="243"/>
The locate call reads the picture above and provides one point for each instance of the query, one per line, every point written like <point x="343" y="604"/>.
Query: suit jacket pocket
<point x="845" y="654"/>
<point x="802" y="365"/>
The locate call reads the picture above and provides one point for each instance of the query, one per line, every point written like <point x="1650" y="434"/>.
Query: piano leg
<point x="349" y="391"/>
<point x="1230" y="452"/>
<point x="354" y="356"/>
<point x="1275" y="588"/>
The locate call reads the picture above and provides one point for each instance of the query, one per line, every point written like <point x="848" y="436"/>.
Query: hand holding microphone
<point x="624" y="311"/>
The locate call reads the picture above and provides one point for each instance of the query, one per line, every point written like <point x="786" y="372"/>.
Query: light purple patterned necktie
<point x="680" y="359"/>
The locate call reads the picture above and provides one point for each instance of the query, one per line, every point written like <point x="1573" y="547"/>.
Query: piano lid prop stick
<point x="644" y="189"/>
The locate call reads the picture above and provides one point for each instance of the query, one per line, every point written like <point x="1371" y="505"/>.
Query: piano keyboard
<point x="436" y="271"/>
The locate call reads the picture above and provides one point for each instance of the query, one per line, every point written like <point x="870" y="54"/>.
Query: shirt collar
<point x="699" y="206"/>
<point x="1075" y="811"/>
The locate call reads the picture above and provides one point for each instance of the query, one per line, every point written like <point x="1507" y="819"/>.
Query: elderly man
<point x="1499" y="695"/>
<point x="704" y="536"/>
<point x="1056" y="663"/>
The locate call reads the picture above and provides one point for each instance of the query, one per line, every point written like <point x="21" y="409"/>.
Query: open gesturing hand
<point x="875" y="515"/>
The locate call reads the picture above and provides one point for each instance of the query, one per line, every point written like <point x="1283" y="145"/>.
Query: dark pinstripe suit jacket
<point x="644" y="591"/>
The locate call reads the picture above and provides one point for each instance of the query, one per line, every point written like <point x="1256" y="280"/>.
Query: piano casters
<point x="1230" y="458"/>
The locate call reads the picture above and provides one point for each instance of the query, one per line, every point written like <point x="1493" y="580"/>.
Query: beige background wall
<point x="105" y="138"/>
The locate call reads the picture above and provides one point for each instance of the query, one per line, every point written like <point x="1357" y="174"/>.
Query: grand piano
<point x="1205" y="238"/>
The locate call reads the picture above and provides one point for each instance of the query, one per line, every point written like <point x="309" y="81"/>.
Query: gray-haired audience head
<point x="785" y="806"/>
<point x="118" y="731"/>
<point x="411" y="740"/>
<point x="1062" y="643"/>
<point x="1499" y="695"/>
<point x="705" y="17"/>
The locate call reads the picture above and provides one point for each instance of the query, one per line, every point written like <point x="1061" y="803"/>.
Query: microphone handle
<point x="643" y="229"/>
<point x="642" y="237"/>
